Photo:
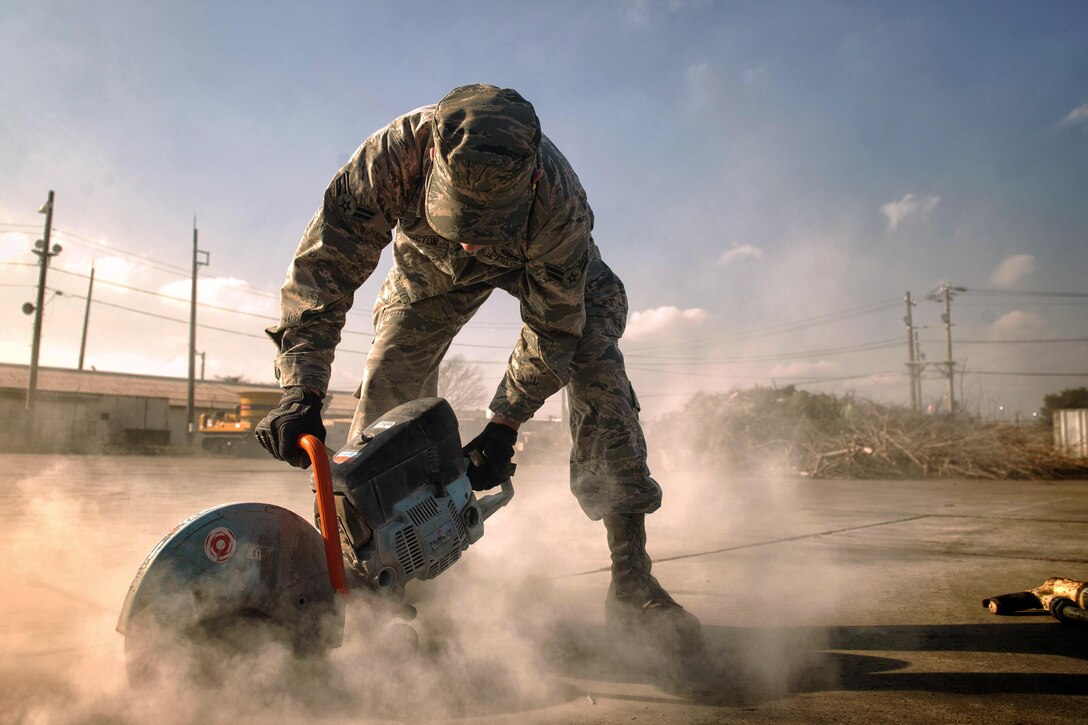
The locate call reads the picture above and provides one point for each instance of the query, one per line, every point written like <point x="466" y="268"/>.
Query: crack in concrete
<point x="953" y="552"/>
<point x="756" y="544"/>
<point x="945" y="515"/>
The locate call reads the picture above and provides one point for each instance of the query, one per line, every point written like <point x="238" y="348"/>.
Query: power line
<point x="683" y="373"/>
<point x="637" y="354"/>
<point x="236" y="286"/>
<point x="803" y="381"/>
<point x="815" y="321"/>
<point x="165" y="296"/>
<point x="154" y="264"/>
<point x="773" y="357"/>
<point x="1020" y="293"/>
<point x="81" y="241"/>
<point x="242" y="312"/>
<point x="800" y="379"/>
<point x="1024" y="341"/>
<point x="230" y="331"/>
<point x="1028" y="375"/>
<point x="814" y="381"/>
<point x="184" y="299"/>
<point x="156" y="315"/>
<point x="1038" y="302"/>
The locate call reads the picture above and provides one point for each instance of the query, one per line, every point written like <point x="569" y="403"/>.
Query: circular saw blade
<point x="232" y="563"/>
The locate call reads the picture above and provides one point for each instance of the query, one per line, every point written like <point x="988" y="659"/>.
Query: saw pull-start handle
<point x="326" y="510"/>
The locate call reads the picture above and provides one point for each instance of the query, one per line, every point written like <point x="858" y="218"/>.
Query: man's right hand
<point x="299" y="412"/>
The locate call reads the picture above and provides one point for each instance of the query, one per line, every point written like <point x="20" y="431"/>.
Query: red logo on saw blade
<point x="219" y="544"/>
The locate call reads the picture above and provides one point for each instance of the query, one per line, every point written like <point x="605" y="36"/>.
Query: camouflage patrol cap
<point x="485" y="141"/>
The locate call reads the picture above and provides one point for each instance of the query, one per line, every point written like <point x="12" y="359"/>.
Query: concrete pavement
<point x="823" y="601"/>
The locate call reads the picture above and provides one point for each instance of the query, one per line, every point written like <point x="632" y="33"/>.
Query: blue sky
<point x="751" y="165"/>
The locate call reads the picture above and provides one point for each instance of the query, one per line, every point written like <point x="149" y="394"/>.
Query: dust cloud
<point x="515" y="628"/>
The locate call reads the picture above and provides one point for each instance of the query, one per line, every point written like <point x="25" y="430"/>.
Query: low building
<point x="88" y="411"/>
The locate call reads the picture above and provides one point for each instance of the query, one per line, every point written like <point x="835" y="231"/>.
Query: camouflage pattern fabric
<point x="608" y="472"/>
<point x="485" y="141"/>
<point x="382" y="187"/>
<point x="410" y="341"/>
<point x="382" y="195"/>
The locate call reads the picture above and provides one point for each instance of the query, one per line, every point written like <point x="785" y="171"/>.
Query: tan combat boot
<point x="637" y="603"/>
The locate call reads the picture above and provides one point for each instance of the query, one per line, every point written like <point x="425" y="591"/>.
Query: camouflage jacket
<point x="382" y="188"/>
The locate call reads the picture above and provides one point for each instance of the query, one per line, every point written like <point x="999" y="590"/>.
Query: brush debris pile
<point x="826" y="436"/>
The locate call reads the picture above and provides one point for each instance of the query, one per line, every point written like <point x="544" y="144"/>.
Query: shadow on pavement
<point x="746" y="666"/>
<point x="1024" y="634"/>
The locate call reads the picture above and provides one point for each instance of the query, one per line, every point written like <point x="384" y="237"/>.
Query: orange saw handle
<point x="326" y="510"/>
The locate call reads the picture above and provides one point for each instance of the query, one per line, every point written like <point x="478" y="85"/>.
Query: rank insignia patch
<point x="345" y="202"/>
<point x="568" y="276"/>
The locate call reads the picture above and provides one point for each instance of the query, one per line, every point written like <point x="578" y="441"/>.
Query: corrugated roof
<point x="207" y="394"/>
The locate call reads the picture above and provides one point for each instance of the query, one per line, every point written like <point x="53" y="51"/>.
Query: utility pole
<point x="44" y="252"/>
<point x="86" y="319"/>
<point x="912" y="365"/>
<point x="198" y="262"/>
<point x="944" y="294"/>
<point x="203" y="355"/>
<point x="920" y="359"/>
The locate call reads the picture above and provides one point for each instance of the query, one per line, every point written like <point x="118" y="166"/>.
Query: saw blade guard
<point x="240" y="561"/>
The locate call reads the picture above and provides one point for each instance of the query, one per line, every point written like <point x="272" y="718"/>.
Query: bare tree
<point x="462" y="383"/>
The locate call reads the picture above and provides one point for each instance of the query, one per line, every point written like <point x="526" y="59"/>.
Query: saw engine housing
<point x="405" y="508"/>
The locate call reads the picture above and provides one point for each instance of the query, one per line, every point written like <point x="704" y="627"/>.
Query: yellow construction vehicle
<point x="231" y="434"/>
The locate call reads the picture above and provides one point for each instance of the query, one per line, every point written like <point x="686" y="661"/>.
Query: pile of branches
<point x="826" y="436"/>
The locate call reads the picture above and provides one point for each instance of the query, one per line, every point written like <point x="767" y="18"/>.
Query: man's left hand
<point x="490" y="456"/>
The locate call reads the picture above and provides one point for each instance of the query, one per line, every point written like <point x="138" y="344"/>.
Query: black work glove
<point x="489" y="456"/>
<point x="299" y="412"/>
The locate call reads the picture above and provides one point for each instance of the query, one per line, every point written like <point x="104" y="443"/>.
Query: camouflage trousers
<point x="608" y="471"/>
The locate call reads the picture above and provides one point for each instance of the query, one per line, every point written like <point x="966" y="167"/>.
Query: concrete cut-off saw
<point x="392" y="506"/>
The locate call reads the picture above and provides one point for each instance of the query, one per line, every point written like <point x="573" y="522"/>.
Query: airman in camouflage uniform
<point x="478" y="199"/>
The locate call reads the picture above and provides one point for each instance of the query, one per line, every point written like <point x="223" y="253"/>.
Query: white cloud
<point x="697" y="72"/>
<point x="804" y="369"/>
<point x="1013" y="270"/>
<point x="663" y="319"/>
<point x="14" y="244"/>
<point x="115" y="269"/>
<point x="639" y="11"/>
<point x="753" y="76"/>
<point x="79" y="257"/>
<point x="228" y="292"/>
<point x="738" y="252"/>
<point x="701" y="83"/>
<point x="909" y="206"/>
<point x="889" y="378"/>
<point x="1016" y="324"/>
<point x="1077" y="115"/>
